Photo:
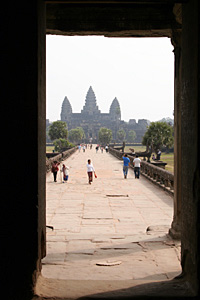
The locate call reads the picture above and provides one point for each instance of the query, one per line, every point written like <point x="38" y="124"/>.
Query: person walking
<point x="65" y="170"/>
<point x="54" y="169"/>
<point x="79" y="148"/>
<point x="136" y="164"/>
<point x="126" y="164"/>
<point x="90" y="171"/>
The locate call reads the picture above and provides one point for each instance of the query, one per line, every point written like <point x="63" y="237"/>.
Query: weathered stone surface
<point x="129" y="20"/>
<point x="101" y="229"/>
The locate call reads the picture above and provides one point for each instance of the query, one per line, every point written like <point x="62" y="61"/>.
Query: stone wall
<point x="59" y="157"/>
<point x="156" y="175"/>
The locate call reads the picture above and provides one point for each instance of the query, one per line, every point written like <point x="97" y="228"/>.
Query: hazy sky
<point x="138" y="71"/>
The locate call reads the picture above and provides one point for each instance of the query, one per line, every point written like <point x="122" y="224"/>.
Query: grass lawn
<point x="168" y="158"/>
<point x="49" y="149"/>
<point x="136" y="148"/>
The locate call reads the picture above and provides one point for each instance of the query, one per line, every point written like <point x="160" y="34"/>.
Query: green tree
<point x="61" y="144"/>
<point x="158" y="134"/>
<point x="82" y="132"/>
<point x="121" y="134"/>
<point x="58" y="130"/>
<point x="105" y="135"/>
<point x="131" y="136"/>
<point x="76" y="135"/>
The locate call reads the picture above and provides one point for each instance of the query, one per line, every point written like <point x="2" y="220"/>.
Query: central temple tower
<point x="90" y="108"/>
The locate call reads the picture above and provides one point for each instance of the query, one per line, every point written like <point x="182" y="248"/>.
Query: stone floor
<point x="114" y="230"/>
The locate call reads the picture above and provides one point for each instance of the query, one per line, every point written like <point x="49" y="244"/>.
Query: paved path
<point x="100" y="230"/>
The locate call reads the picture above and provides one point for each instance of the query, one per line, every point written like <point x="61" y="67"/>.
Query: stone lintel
<point x="127" y="20"/>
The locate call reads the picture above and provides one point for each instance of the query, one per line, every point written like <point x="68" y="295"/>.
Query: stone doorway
<point x="51" y="262"/>
<point x="24" y="202"/>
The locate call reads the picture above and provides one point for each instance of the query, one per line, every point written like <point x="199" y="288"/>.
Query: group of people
<point x="64" y="170"/>
<point x="102" y="148"/>
<point x="84" y="147"/>
<point x="136" y="164"/>
<point x="157" y="156"/>
<point x="90" y="169"/>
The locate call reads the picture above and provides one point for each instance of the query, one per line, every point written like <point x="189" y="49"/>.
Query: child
<point x="153" y="157"/>
<point x="65" y="170"/>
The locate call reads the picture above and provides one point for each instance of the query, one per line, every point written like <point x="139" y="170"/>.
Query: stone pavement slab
<point x="113" y="220"/>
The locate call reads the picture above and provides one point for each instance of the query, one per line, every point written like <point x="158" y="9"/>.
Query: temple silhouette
<point x="91" y="119"/>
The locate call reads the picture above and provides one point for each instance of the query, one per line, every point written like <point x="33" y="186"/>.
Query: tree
<point x="82" y="132"/>
<point x="158" y="134"/>
<point x="58" y="130"/>
<point x="62" y="145"/>
<point x="121" y="134"/>
<point x="105" y="135"/>
<point x="76" y="135"/>
<point x="131" y="136"/>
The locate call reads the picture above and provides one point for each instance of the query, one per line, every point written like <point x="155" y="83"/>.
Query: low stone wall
<point x="59" y="157"/>
<point x="51" y="154"/>
<point x="115" y="152"/>
<point x="158" y="176"/>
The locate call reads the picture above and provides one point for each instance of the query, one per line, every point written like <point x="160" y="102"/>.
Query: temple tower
<point x="115" y="111"/>
<point x="66" y="110"/>
<point x="90" y="107"/>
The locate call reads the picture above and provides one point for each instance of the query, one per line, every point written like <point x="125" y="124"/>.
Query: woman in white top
<point x="90" y="171"/>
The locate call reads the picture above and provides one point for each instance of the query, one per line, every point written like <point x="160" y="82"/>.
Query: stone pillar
<point x="190" y="141"/>
<point x="23" y="106"/>
<point x="175" y="230"/>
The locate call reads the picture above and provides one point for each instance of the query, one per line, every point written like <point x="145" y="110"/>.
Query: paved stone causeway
<point x="115" y="229"/>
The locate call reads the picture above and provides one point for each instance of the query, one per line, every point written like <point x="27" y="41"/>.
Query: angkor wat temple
<point x="91" y="119"/>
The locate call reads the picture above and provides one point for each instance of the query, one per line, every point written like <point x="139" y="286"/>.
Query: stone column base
<point x="175" y="231"/>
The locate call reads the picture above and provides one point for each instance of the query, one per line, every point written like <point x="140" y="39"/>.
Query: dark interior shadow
<point x="177" y="289"/>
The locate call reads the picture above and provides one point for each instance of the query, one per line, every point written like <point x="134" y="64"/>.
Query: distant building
<point x="91" y="119"/>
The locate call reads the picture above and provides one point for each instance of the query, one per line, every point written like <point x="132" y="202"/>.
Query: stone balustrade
<point x="59" y="157"/>
<point x="158" y="176"/>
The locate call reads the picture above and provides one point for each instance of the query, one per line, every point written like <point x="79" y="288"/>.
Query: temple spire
<point x="90" y="106"/>
<point x="66" y="110"/>
<point x="115" y="111"/>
